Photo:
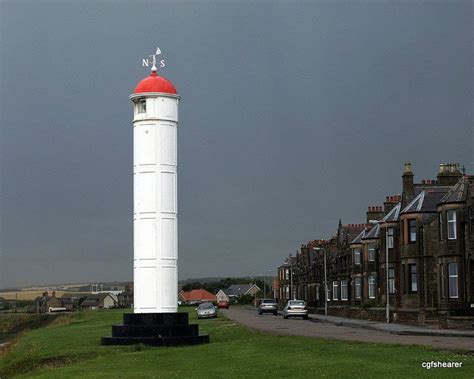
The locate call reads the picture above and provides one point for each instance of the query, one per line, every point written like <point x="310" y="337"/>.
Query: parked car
<point x="206" y="310"/>
<point x="223" y="304"/>
<point x="268" y="306"/>
<point x="295" y="308"/>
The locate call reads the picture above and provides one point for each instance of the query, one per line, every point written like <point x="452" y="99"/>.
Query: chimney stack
<point x="408" y="187"/>
<point x="374" y="213"/>
<point x="449" y="174"/>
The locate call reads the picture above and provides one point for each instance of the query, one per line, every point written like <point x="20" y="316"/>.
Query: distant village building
<point x="196" y="296"/>
<point x="237" y="290"/>
<point x="98" y="301"/>
<point x="427" y="233"/>
<point x="49" y="304"/>
<point x="221" y="296"/>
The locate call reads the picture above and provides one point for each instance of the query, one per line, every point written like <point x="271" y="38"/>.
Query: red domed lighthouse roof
<point x="155" y="83"/>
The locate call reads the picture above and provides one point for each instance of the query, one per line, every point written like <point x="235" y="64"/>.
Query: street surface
<point x="310" y="328"/>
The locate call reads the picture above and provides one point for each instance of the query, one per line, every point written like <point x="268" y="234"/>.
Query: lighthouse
<point x="155" y="319"/>
<point x="155" y="206"/>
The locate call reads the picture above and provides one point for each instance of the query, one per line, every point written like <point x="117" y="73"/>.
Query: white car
<point x="295" y="308"/>
<point x="206" y="310"/>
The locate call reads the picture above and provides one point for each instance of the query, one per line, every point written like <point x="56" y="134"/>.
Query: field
<point x="32" y="294"/>
<point x="69" y="347"/>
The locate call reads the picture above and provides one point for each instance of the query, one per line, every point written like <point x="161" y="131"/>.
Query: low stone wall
<point x="374" y="314"/>
<point x="426" y="317"/>
<point x="460" y="322"/>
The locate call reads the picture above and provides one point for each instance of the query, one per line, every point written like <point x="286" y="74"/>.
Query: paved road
<point x="277" y="325"/>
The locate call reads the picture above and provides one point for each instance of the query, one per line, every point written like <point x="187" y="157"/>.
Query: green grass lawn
<point x="70" y="347"/>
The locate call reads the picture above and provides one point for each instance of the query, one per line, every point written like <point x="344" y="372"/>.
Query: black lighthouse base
<point x="156" y="329"/>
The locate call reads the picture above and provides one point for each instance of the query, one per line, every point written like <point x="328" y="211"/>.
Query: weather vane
<point x="146" y="61"/>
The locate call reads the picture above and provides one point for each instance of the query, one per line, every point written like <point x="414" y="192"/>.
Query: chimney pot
<point x="407" y="168"/>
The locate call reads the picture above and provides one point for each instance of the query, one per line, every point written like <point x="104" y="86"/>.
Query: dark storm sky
<point x="293" y="114"/>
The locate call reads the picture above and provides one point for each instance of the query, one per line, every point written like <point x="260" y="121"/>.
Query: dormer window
<point x="142" y="106"/>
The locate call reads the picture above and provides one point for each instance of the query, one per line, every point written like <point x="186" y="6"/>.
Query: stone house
<point x="427" y="233"/>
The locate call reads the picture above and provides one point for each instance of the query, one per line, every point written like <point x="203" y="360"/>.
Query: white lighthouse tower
<point x="155" y="222"/>
<point x="155" y="320"/>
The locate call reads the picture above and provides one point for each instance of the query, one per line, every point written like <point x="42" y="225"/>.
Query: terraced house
<point x="415" y="252"/>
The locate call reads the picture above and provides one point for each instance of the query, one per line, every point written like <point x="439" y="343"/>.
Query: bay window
<point x="453" y="280"/>
<point x="451" y="225"/>
<point x="371" y="287"/>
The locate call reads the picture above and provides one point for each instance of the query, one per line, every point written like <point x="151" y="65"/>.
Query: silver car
<point x="268" y="306"/>
<point x="295" y="308"/>
<point x="206" y="310"/>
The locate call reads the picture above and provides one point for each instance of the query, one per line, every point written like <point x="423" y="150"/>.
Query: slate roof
<point x="426" y="201"/>
<point x="394" y="214"/>
<point x="238" y="289"/>
<point x="94" y="300"/>
<point x="373" y="233"/>
<point x="359" y="237"/>
<point x="457" y="193"/>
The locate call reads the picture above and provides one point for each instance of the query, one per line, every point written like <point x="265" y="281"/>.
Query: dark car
<point x="268" y="306"/>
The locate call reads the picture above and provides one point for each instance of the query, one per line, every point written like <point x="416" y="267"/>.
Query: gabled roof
<point x="373" y="233"/>
<point x="239" y="289"/>
<point x="426" y="201"/>
<point x="394" y="214"/>
<point x="359" y="237"/>
<point x="197" y="295"/>
<point x="457" y="193"/>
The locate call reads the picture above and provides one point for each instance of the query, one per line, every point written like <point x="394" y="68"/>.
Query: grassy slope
<point x="70" y="348"/>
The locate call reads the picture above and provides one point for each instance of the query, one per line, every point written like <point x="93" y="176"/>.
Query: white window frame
<point x="358" y="288"/>
<point x="344" y="292"/>
<point x="371" y="287"/>
<point x="335" y="290"/>
<point x="357" y="256"/>
<point x="371" y="253"/>
<point x="413" y="283"/>
<point x="411" y="236"/>
<point x="455" y="276"/>
<point x="391" y="280"/>
<point x="390" y="237"/>
<point x="451" y="235"/>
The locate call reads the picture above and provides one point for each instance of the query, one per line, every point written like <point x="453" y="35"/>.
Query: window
<point x="440" y="226"/>
<point x="390" y="238"/>
<point x="453" y="280"/>
<point x="358" y="288"/>
<point x="344" y="294"/>
<point x="443" y="280"/>
<point x="317" y="293"/>
<point x="451" y="225"/>
<point x="328" y="294"/>
<point x="412" y="230"/>
<point x="142" y="106"/>
<point x="287" y="274"/>
<point x="287" y="292"/>
<point x="357" y="256"/>
<point x="371" y="287"/>
<point x="391" y="280"/>
<point x="371" y="253"/>
<point x="335" y="290"/>
<point x="413" y="279"/>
